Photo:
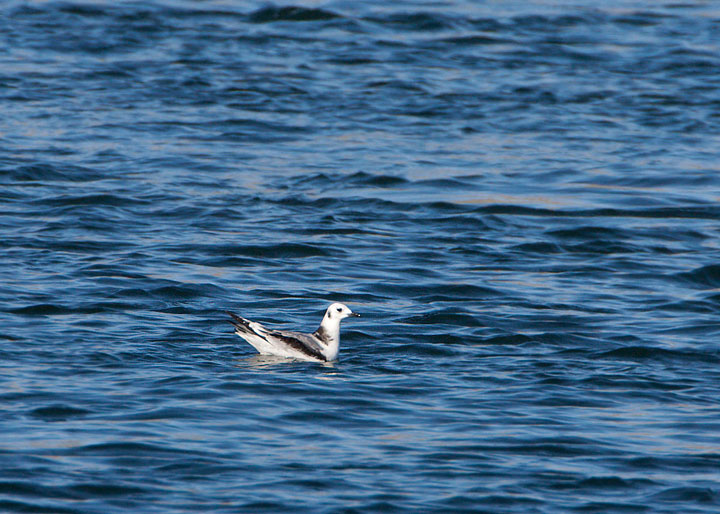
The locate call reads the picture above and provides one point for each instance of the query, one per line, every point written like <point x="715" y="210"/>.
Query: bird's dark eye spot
<point x="339" y="309"/>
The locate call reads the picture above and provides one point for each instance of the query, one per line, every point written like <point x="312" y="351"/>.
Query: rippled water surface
<point x="522" y="199"/>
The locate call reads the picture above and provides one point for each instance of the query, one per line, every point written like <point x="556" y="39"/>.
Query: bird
<point x="322" y="345"/>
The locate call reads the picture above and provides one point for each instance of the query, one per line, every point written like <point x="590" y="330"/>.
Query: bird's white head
<point x="337" y="312"/>
<point x="329" y="332"/>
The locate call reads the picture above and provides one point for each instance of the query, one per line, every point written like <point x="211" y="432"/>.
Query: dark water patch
<point x="92" y="200"/>
<point x="446" y="183"/>
<point x="509" y="339"/>
<point x="639" y="384"/>
<point x="439" y="292"/>
<point x="59" y="310"/>
<point x="258" y="128"/>
<point x="41" y="310"/>
<point x="290" y="13"/>
<point x="603" y="248"/>
<point x="697" y="306"/>
<point x="425" y="350"/>
<point x="415" y="21"/>
<point x="706" y="212"/>
<point x="702" y="495"/>
<point x="461" y="223"/>
<point x="705" y="277"/>
<point x="451" y="339"/>
<point x="352" y="60"/>
<point x="47" y="172"/>
<point x="102" y="490"/>
<point x="82" y="10"/>
<point x="197" y="468"/>
<point x="608" y="506"/>
<point x="588" y="232"/>
<point x="674" y="462"/>
<point x="610" y="483"/>
<point x="75" y="246"/>
<point x="554" y="447"/>
<point x="58" y="412"/>
<point x="246" y="254"/>
<point x="288" y="251"/>
<point x="641" y="18"/>
<point x="444" y="317"/>
<point x="176" y="291"/>
<point x="476" y="40"/>
<point x="541" y="248"/>
<point x="111" y="449"/>
<point x="114" y="273"/>
<point x="161" y="414"/>
<point x="646" y="353"/>
<point x="36" y="507"/>
<point x="366" y="206"/>
<point x="396" y="86"/>
<point x="377" y="180"/>
<point x="104" y="359"/>
<point x="325" y="181"/>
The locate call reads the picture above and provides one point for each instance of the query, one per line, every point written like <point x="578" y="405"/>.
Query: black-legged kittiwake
<point x="321" y="345"/>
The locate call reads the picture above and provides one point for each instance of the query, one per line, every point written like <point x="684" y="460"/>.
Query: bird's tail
<point x="241" y="324"/>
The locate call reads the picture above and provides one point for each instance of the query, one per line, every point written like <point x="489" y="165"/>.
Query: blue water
<point x="522" y="199"/>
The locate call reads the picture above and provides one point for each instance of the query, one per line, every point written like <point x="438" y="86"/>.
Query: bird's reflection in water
<point x="259" y="361"/>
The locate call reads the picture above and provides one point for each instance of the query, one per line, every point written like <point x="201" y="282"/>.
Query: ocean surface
<point x="521" y="199"/>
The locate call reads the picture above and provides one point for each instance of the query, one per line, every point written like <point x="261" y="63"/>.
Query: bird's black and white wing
<point x="278" y="342"/>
